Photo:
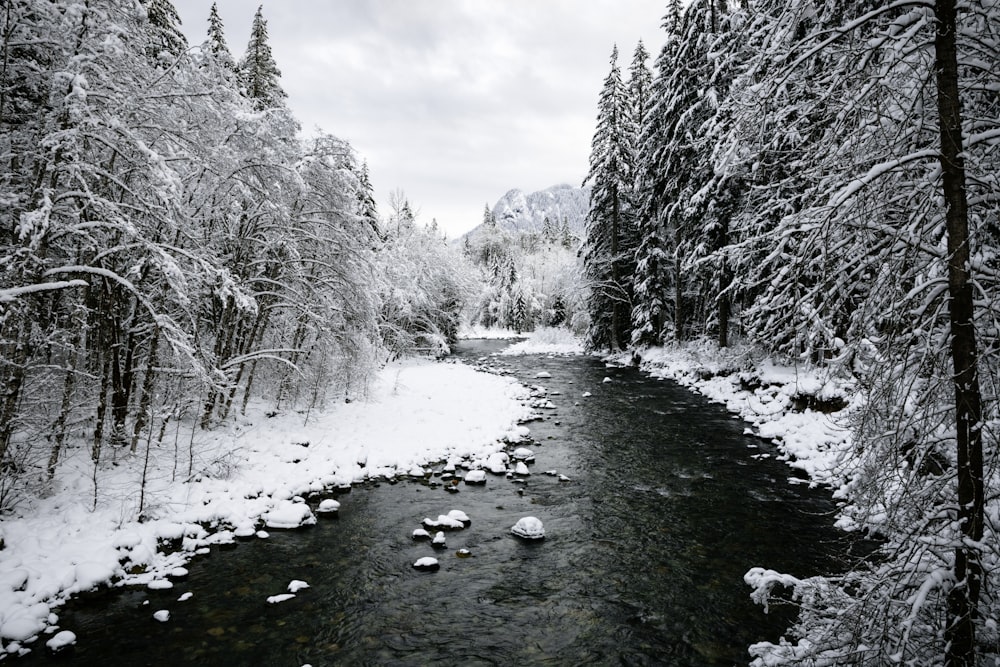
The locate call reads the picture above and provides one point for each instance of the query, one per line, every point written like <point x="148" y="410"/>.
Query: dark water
<point x="642" y="564"/>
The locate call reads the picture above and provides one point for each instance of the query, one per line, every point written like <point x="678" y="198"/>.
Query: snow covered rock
<point x="586" y="394"/>
<point x="443" y="522"/>
<point x="524" y="454"/>
<point x="463" y="553"/>
<point x="296" y="585"/>
<point x="328" y="507"/>
<point x="421" y="534"/>
<point x="459" y="515"/>
<point x="543" y="375"/>
<point x="497" y="463"/>
<point x="163" y="615"/>
<point x="275" y="599"/>
<point x="61" y="641"/>
<point x="521" y="469"/>
<point x="475" y="477"/>
<point x="427" y="564"/>
<point x="439" y="540"/>
<point x="528" y="528"/>
<point x="606" y="380"/>
<point x="289" y="516"/>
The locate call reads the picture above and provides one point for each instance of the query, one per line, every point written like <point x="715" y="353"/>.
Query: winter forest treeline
<point x="171" y="248"/>
<point x="819" y="179"/>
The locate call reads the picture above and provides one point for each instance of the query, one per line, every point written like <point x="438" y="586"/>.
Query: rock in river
<point x="528" y="528"/>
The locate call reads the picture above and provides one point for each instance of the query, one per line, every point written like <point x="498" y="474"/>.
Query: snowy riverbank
<point x="802" y="409"/>
<point x="248" y="477"/>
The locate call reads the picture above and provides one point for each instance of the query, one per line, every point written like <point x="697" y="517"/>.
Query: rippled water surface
<point x="642" y="564"/>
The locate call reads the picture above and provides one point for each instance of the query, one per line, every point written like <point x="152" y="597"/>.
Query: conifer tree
<point x="606" y="252"/>
<point x="258" y="71"/>
<point x="167" y="42"/>
<point x="366" y="200"/>
<point x="216" y="41"/>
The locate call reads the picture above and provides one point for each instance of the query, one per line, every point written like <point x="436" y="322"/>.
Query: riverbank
<point x="803" y="409"/>
<point x="87" y="529"/>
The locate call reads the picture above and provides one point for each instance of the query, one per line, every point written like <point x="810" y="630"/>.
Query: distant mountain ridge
<point x="520" y="212"/>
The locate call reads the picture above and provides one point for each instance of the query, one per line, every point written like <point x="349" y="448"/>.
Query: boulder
<point x="528" y="528"/>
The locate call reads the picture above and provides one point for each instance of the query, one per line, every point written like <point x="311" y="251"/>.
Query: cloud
<point x="452" y="101"/>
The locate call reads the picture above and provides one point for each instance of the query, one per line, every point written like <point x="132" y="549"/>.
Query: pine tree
<point x="216" y="41"/>
<point x="366" y="200"/>
<point x="258" y="72"/>
<point x="167" y="42"/>
<point x="605" y="251"/>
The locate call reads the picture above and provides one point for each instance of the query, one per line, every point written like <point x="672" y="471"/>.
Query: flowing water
<point x="646" y="545"/>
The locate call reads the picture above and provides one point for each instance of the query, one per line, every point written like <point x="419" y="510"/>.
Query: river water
<point x="667" y="505"/>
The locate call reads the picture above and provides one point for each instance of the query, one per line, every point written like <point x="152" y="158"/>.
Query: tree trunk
<point x="963" y="599"/>
<point x="615" y="339"/>
<point x="12" y="382"/>
<point x="678" y="291"/>
<point x="144" y="414"/>
<point x="69" y="388"/>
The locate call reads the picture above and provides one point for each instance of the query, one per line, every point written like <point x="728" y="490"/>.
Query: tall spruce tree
<point x="216" y="41"/>
<point x="258" y="71"/>
<point x="605" y="251"/>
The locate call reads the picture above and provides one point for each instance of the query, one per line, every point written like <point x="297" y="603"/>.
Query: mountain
<point x="520" y="212"/>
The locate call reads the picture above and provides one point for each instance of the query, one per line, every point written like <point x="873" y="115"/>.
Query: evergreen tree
<point x="258" y="72"/>
<point x="216" y="42"/>
<point x="167" y="42"/>
<point x="605" y="250"/>
<point x="366" y="200"/>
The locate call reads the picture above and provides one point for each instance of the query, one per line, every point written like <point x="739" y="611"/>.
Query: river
<point x="667" y="505"/>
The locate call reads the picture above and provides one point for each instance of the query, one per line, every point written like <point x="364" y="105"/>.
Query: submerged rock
<point x="528" y="528"/>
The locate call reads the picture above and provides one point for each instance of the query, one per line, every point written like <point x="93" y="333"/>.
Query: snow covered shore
<point x="802" y="409"/>
<point x="252" y="475"/>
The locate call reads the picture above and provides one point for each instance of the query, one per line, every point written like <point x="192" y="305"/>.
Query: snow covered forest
<point x="820" y="181"/>
<point x="172" y="248"/>
<point x="812" y="181"/>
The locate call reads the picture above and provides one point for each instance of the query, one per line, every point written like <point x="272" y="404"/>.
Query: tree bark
<point x="963" y="599"/>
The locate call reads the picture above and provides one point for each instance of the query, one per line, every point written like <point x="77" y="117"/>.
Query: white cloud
<point x="452" y="101"/>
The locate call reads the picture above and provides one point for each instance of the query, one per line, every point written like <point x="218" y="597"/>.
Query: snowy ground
<point x="556" y="341"/>
<point x="248" y="477"/>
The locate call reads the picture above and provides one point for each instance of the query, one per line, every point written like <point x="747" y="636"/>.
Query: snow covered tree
<point x="873" y="245"/>
<point x="216" y="43"/>
<point x="258" y="71"/>
<point x="606" y="250"/>
<point x="167" y="42"/>
<point x="366" y="200"/>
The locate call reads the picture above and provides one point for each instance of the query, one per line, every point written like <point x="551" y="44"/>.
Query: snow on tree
<point x="215" y="43"/>
<point x="606" y="252"/>
<point x="258" y="71"/>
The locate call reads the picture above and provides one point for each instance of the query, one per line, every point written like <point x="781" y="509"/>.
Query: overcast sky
<point x="452" y="102"/>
